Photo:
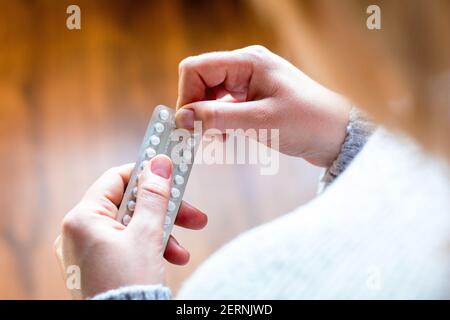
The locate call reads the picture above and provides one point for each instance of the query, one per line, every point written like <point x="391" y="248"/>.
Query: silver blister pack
<point x="162" y="137"/>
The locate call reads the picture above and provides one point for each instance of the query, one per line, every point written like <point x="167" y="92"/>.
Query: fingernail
<point x="161" y="166"/>
<point x="185" y="118"/>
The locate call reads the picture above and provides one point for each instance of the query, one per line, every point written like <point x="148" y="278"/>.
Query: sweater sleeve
<point x="359" y="129"/>
<point x="150" y="292"/>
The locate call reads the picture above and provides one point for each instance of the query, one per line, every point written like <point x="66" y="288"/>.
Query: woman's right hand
<point x="253" y="88"/>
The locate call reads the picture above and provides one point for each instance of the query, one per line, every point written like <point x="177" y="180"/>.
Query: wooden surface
<point x="74" y="103"/>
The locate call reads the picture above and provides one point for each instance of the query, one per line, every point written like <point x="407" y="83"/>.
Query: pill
<point x="159" y="139"/>
<point x="154" y="140"/>
<point x="183" y="167"/>
<point x="171" y="206"/>
<point x="187" y="155"/>
<point x="126" y="219"/>
<point x="150" y="153"/>
<point x="159" y="127"/>
<point x="190" y="142"/>
<point x="164" y="235"/>
<point x="164" y="115"/>
<point x="144" y="164"/>
<point x="131" y="205"/>
<point x="175" y="193"/>
<point x="179" y="179"/>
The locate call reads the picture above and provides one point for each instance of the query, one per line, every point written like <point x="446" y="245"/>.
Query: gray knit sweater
<point x="380" y="229"/>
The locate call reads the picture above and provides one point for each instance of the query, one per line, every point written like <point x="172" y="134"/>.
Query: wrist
<point x="330" y="135"/>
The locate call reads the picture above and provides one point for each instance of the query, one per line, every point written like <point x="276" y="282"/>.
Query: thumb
<point x="152" y="198"/>
<point x="221" y="115"/>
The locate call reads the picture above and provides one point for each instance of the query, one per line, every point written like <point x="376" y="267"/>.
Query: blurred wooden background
<point x="74" y="103"/>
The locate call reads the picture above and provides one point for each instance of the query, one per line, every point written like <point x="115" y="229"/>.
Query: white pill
<point x="183" y="167"/>
<point x="134" y="192"/>
<point x="164" y="235"/>
<point x="164" y="115"/>
<point x="190" y="142"/>
<point x="187" y="155"/>
<point x="167" y="221"/>
<point x="171" y="206"/>
<point x="154" y="140"/>
<point x="150" y="153"/>
<point x="126" y="219"/>
<point x="144" y="164"/>
<point x="175" y="193"/>
<point x="178" y="179"/>
<point x="159" y="127"/>
<point x="131" y="205"/>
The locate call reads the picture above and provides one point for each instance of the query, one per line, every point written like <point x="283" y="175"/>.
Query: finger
<point x="111" y="185"/>
<point x="221" y="116"/>
<point x="231" y="69"/>
<point x="152" y="197"/>
<point x="105" y="194"/>
<point x="190" y="217"/>
<point x="175" y="253"/>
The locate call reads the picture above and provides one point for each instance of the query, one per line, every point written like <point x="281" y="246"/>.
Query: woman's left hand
<point x="110" y="255"/>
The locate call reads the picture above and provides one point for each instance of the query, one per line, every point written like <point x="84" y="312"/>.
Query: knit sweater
<point x="380" y="229"/>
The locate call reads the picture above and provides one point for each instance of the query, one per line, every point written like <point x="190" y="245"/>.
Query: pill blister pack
<point x="162" y="137"/>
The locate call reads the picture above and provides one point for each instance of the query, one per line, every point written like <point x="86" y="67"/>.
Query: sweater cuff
<point x="358" y="131"/>
<point x="150" y="292"/>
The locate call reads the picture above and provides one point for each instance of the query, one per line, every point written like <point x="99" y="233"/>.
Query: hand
<point x="252" y="88"/>
<point x="111" y="255"/>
